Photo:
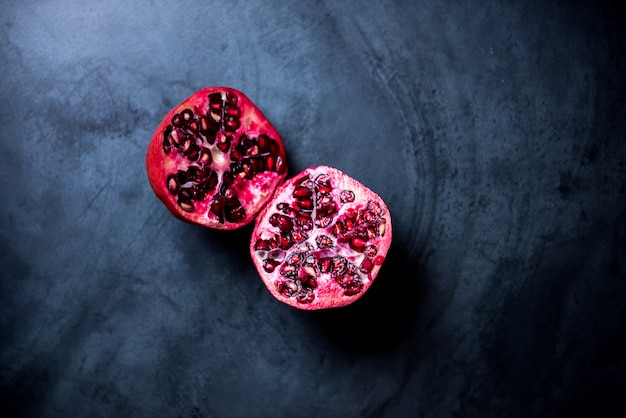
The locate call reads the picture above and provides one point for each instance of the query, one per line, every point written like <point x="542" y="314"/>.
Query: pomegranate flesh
<point x="215" y="160"/>
<point x="322" y="239"/>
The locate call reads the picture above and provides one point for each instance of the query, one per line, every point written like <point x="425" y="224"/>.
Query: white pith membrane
<point x="221" y="166"/>
<point x="330" y="265"/>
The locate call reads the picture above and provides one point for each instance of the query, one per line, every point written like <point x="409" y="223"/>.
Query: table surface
<point x="494" y="131"/>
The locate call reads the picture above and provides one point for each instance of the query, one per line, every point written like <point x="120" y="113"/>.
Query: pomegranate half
<point x="322" y="239"/>
<point x="215" y="160"/>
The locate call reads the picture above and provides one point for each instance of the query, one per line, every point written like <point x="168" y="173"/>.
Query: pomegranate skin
<point x="248" y="191"/>
<point x="328" y="254"/>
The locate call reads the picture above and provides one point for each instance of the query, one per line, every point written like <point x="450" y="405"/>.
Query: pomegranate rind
<point x="328" y="293"/>
<point x="252" y="193"/>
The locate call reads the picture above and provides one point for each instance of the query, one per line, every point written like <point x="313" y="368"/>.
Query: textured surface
<point x="494" y="131"/>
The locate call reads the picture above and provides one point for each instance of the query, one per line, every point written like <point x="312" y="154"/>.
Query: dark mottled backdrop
<point x="495" y="130"/>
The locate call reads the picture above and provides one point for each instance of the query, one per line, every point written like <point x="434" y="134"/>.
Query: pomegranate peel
<point x="321" y="240"/>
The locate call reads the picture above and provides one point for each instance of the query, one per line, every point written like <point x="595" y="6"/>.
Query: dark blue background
<point x="495" y="130"/>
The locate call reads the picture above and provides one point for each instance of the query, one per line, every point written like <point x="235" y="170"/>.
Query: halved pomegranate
<point x="320" y="242"/>
<point x="215" y="160"/>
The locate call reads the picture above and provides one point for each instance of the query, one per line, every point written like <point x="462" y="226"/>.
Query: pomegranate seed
<point x="325" y="264"/>
<point x="177" y="120"/>
<point x="339" y="266"/>
<point x="324" y="200"/>
<point x="233" y="111"/>
<point x="227" y="180"/>
<point x="270" y="265"/>
<point x="382" y="227"/>
<point x="279" y="165"/>
<point x="287" y="269"/>
<point x="217" y="207"/>
<point x="205" y="157"/>
<point x="223" y="144"/>
<point x="302" y="192"/>
<point x="201" y="191"/>
<point x="374" y="207"/>
<point x="186" y="206"/>
<point x="273" y="147"/>
<point x="172" y="184"/>
<point x="192" y="152"/>
<point x="357" y="244"/>
<point x="298" y="237"/>
<point x="327" y="211"/>
<point x="231" y="99"/>
<point x="288" y="288"/>
<point x="233" y="210"/>
<point x="294" y="259"/>
<point x="257" y="164"/>
<point x="324" y="241"/>
<point x="284" y="242"/>
<point x="204" y="124"/>
<point x="216" y="116"/>
<point x="182" y="176"/>
<point x="366" y="265"/>
<point x="173" y="137"/>
<point x="305" y="223"/>
<point x="304" y="181"/>
<point x="284" y="208"/>
<point x="305" y="297"/>
<point x="263" y="143"/>
<point x="343" y="279"/>
<point x="311" y="282"/>
<point x="338" y="229"/>
<point x="322" y="180"/>
<point x="215" y="100"/>
<point x="323" y="222"/>
<point x="261" y="245"/>
<point x="310" y="270"/>
<point x="370" y="251"/>
<point x="305" y="204"/>
<point x="346" y="196"/>
<point x="284" y="223"/>
<point x="187" y="114"/>
<point x="231" y="124"/>
<point x="192" y="173"/>
<point x="203" y="174"/>
<point x="212" y="180"/>
<point x="305" y="248"/>
<point x="302" y="275"/>
<point x="354" y="287"/>
<point x="236" y="154"/>
<point x="271" y="163"/>
<point x="253" y="150"/>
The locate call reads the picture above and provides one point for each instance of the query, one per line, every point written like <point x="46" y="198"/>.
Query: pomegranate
<point x="215" y="160"/>
<point x="322" y="239"/>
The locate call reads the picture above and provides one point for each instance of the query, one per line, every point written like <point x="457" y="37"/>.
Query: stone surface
<point x="495" y="132"/>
